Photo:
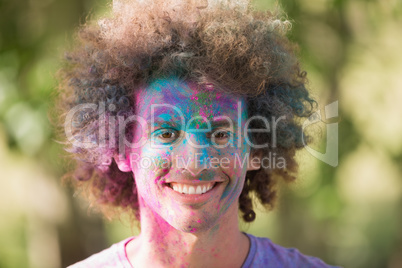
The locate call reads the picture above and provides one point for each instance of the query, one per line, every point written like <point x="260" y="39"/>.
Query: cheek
<point x="148" y="171"/>
<point x="150" y="165"/>
<point x="231" y="160"/>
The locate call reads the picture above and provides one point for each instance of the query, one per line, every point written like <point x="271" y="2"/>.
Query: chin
<point x="193" y="223"/>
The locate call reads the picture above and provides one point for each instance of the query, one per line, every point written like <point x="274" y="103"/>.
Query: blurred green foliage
<point x="348" y="215"/>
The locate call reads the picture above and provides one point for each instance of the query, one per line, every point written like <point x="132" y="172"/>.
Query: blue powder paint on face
<point x="166" y="117"/>
<point x="160" y="85"/>
<point x="179" y="94"/>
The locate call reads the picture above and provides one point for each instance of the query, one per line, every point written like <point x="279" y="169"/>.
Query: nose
<point x="193" y="155"/>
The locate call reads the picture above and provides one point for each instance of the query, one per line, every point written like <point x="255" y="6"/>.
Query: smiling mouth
<point x="191" y="189"/>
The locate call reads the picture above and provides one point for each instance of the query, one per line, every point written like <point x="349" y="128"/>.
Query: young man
<point x="173" y="110"/>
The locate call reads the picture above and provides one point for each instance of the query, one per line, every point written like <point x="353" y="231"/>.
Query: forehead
<point x="189" y="98"/>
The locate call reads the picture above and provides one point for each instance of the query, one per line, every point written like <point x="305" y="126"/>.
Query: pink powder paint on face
<point x="203" y="113"/>
<point x="183" y="96"/>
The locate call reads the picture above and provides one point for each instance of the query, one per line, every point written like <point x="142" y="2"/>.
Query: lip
<point x="192" y="199"/>
<point x="193" y="181"/>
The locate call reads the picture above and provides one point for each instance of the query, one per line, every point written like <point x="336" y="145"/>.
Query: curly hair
<point x="230" y="46"/>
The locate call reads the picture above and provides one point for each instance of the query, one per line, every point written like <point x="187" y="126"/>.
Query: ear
<point x="123" y="162"/>
<point x="254" y="161"/>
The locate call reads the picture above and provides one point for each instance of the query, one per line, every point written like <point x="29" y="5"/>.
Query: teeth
<point x="198" y="191"/>
<point x="189" y="189"/>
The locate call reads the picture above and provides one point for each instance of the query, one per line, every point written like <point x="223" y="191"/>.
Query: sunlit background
<point x="349" y="215"/>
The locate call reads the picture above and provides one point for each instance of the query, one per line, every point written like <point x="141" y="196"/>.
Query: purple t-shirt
<point x="263" y="253"/>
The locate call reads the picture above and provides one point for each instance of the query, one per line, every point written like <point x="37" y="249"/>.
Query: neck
<point x="162" y="245"/>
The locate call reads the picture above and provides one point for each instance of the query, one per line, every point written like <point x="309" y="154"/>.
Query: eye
<point x="166" y="135"/>
<point x="220" y="135"/>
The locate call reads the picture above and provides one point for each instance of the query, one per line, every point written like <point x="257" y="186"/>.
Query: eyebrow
<point x="217" y="122"/>
<point x="223" y="121"/>
<point x="172" y="124"/>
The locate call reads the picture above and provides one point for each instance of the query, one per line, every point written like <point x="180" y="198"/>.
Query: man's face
<point x="191" y="165"/>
